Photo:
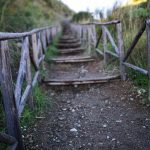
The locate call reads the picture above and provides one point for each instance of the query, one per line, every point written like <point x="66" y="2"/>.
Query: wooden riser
<point x="68" y="46"/>
<point x="70" y="51"/>
<point x="72" y="59"/>
<point x="81" y="81"/>
<point x="69" y="41"/>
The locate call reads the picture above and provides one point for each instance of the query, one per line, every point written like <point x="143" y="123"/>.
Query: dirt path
<point x="92" y="117"/>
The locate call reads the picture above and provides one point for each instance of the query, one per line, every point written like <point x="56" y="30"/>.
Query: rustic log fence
<point x="34" y="46"/>
<point x="87" y="35"/>
<point x="14" y="95"/>
<point x="83" y="30"/>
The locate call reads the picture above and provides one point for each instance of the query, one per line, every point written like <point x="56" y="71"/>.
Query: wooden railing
<point x="87" y="34"/>
<point x="83" y="30"/>
<point x="14" y="94"/>
<point x="116" y="43"/>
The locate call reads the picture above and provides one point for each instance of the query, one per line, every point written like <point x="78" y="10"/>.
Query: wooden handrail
<point x="101" y="23"/>
<point x="9" y="35"/>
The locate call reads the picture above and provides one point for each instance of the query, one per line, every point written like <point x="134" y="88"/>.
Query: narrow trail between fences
<point x="84" y="115"/>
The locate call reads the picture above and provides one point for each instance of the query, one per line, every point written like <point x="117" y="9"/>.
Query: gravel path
<point x="92" y="117"/>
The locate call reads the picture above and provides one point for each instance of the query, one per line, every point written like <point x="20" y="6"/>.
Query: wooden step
<point x="72" y="59"/>
<point x="67" y="37"/>
<point x="69" y="41"/>
<point x="71" y="50"/>
<point x="81" y="81"/>
<point x="66" y="45"/>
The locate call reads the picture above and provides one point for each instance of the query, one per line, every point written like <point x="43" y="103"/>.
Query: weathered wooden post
<point x="7" y="89"/>
<point x="148" y="43"/>
<point x="88" y="39"/>
<point x="35" y="49"/>
<point x="105" y="45"/>
<point x="121" y="50"/>
<point x="29" y="76"/>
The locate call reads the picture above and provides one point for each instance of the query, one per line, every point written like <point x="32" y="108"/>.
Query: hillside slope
<point x="16" y="15"/>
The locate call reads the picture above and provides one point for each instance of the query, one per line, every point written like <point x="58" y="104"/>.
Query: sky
<point x="91" y="5"/>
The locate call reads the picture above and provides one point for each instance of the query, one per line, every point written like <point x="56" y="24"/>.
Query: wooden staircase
<point x="74" y="66"/>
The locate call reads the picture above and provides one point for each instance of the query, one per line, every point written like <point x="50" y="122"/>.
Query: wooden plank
<point x="76" y="60"/>
<point x="22" y="71"/>
<point x="103" y="23"/>
<point x="135" y="41"/>
<point x="121" y="50"/>
<point x="8" y="98"/>
<point x="81" y="81"/>
<point x="136" y="68"/>
<point x="111" y="40"/>
<point x="148" y="52"/>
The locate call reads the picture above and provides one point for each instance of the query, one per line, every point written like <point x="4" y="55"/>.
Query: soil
<point x="92" y="117"/>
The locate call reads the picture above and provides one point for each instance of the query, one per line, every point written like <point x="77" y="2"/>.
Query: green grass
<point x="52" y="49"/>
<point x="138" y="79"/>
<point x="2" y="123"/>
<point x="40" y="99"/>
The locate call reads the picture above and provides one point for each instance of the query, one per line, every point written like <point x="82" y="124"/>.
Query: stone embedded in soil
<point x="73" y="130"/>
<point x="61" y="118"/>
<point x="104" y="125"/>
<point x="73" y="110"/>
<point x="118" y="121"/>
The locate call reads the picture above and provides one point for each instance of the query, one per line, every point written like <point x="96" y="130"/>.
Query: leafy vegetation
<point x="52" y="49"/>
<point x="82" y="17"/>
<point x="40" y="104"/>
<point x="132" y="17"/>
<point x="16" y="15"/>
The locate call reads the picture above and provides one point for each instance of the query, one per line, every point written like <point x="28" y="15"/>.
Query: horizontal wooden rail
<point x="143" y="71"/>
<point x="102" y="23"/>
<point x="8" y="35"/>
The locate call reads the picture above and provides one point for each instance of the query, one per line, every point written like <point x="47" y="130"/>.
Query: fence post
<point x="105" y="46"/>
<point x="7" y="89"/>
<point x="29" y="76"/>
<point x="148" y="43"/>
<point x="121" y="50"/>
<point x="89" y="39"/>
